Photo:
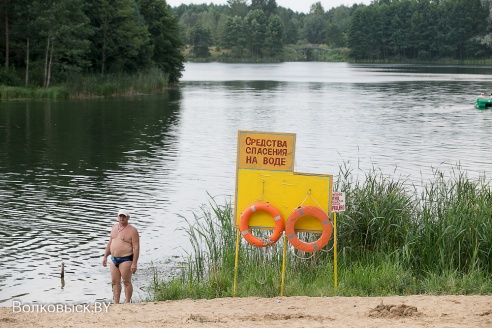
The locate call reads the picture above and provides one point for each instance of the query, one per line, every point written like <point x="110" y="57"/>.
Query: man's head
<point x="124" y="213"/>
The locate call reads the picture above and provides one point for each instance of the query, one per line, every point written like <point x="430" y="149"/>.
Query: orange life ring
<point x="317" y="213"/>
<point x="244" y="226"/>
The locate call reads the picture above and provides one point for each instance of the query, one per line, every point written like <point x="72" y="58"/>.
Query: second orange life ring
<point x="246" y="216"/>
<point x="317" y="213"/>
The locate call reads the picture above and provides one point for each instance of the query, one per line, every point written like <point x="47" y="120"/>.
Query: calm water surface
<point x="67" y="166"/>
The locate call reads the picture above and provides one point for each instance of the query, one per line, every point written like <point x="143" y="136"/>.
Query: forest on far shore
<point x="423" y="30"/>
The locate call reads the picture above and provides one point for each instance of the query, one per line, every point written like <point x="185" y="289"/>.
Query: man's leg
<point x="126" y="274"/>
<point x="115" y="282"/>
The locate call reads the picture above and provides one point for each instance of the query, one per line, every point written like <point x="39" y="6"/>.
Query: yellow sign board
<point x="265" y="174"/>
<point x="268" y="151"/>
<point x="284" y="190"/>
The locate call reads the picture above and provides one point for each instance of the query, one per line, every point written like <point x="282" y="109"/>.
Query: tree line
<point x="421" y="29"/>
<point x="50" y="41"/>
<point x="385" y="29"/>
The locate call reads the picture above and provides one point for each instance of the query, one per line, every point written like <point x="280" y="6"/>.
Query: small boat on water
<point x="483" y="103"/>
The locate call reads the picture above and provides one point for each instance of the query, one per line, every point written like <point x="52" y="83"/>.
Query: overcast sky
<point x="295" y="5"/>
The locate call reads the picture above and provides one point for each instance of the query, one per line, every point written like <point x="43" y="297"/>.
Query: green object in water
<point x="483" y="103"/>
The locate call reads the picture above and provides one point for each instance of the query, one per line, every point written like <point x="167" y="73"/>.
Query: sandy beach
<point x="398" y="311"/>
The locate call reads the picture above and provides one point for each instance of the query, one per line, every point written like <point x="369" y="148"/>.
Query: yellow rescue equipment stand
<point x="290" y="236"/>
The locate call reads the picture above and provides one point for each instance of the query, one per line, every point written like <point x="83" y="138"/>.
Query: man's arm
<point x="107" y="251"/>
<point x="136" y="249"/>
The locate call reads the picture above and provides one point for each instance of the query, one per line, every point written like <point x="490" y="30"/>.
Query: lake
<point x="66" y="167"/>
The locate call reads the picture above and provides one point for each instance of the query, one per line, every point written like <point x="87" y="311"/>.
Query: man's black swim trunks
<point x="118" y="260"/>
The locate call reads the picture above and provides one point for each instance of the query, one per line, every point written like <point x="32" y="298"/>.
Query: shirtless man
<point x="124" y="247"/>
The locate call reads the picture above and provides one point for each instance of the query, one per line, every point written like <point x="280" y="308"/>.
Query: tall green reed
<point x="89" y="86"/>
<point x="149" y="81"/>
<point x="11" y="93"/>
<point x="454" y="229"/>
<point x="393" y="238"/>
<point x="379" y="215"/>
<point x="209" y="262"/>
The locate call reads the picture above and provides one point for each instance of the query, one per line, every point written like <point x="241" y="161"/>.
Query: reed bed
<point x="93" y="86"/>
<point x="12" y="93"/>
<point x="149" y="81"/>
<point x="393" y="239"/>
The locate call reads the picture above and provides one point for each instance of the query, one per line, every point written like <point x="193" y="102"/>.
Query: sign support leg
<point x="236" y="261"/>
<point x="283" y="266"/>
<point x="335" y="269"/>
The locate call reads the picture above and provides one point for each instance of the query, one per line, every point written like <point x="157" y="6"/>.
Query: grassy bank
<point x="93" y="86"/>
<point x="394" y="239"/>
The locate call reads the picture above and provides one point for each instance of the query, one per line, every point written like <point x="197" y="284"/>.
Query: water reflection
<point x="426" y="69"/>
<point x="65" y="168"/>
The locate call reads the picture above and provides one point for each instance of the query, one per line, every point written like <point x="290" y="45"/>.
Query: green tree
<point x="399" y="25"/>
<point x="5" y="10"/>
<point x="468" y="17"/>
<point x="317" y="9"/>
<point x="314" y="30"/>
<point x="238" y="8"/>
<point x="274" y="36"/>
<point x="164" y="33"/>
<point x="364" y="41"/>
<point x="221" y="30"/>
<point x="200" y="41"/>
<point x="255" y="24"/>
<point x="334" y="36"/>
<point x="269" y="7"/>
<point x="486" y="37"/>
<point x="423" y="30"/>
<point x="21" y="14"/>
<point x="291" y="25"/>
<point x="64" y="29"/>
<point x="121" y="42"/>
<point x="210" y="21"/>
<point x="338" y="26"/>
<point x="235" y="36"/>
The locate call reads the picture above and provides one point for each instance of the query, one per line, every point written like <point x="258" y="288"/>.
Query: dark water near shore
<point x="67" y="166"/>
